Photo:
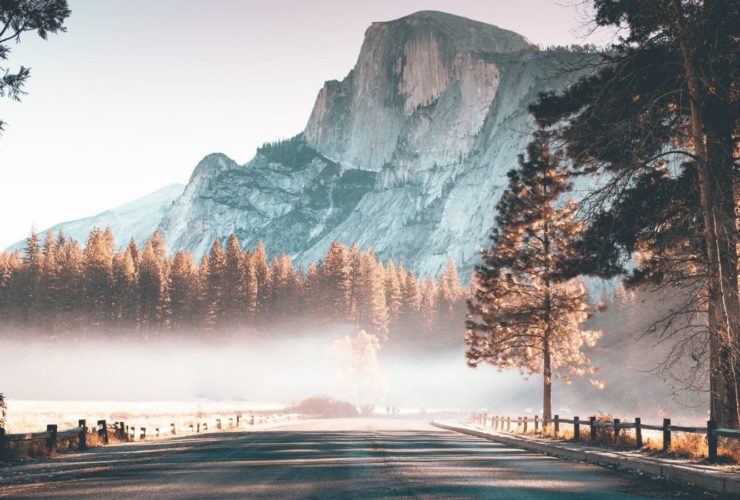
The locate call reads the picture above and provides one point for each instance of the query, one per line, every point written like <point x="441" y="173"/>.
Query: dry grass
<point x="683" y="444"/>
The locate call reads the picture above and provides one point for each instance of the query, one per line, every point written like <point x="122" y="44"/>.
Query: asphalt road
<point x="342" y="458"/>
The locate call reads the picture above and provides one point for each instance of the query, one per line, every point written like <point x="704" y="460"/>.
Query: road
<point x="340" y="458"/>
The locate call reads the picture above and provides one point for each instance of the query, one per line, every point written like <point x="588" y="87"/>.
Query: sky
<point x="136" y="92"/>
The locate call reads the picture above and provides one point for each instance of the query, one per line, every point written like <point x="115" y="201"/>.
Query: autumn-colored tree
<point x="523" y="315"/>
<point x="264" y="280"/>
<point x="124" y="300"/>
<point x="151" y="286"/>
<point x="216" y="285"/>
<point x="336" y="278"/>
<point x="183" y="289"/>
<point x="393" y="293"/>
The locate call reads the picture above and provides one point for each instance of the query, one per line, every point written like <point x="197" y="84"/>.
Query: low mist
<point x="293" y="366"/>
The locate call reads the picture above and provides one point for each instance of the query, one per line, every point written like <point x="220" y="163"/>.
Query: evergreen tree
<point x="125" y="310"/>
<point x="336" y="274"/>
<point x="412" y="298"/>
<point x="183" y="289"/>
<point x="216" y="284"/>
<point x="150" y="287"/>
<point x="249" y="285"/>
<point x="429" y="304"/>
<point x="665" y="92"/>
<point x="523" y="314"/>
<point x="264" y="280"/>
<point x="393" y="293"/>
<point x="98" y="275"/>
<point x="234" y="303"/>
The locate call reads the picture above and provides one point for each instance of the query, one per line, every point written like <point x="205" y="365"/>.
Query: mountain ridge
<point x="407" y="155"/>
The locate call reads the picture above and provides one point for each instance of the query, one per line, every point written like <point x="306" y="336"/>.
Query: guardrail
<point x="711" y="431"/>
<point x="120" y="431"/>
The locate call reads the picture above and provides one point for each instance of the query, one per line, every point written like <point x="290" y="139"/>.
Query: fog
<point x="282" y="370"/>
<point x="292" y="366"/>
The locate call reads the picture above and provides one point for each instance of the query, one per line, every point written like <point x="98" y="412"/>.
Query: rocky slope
<point x="407" y="155"/>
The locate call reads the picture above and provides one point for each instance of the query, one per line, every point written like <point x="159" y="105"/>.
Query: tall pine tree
<point x="523" y="315"/>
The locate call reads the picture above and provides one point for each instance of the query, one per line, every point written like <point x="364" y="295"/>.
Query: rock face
<point x="406" y="156"/>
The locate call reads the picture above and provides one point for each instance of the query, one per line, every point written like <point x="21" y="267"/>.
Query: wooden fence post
<point x="238" y="417"/>
<point x="638" y="432"/>
<point x="556" y="421"/>
<point x="143" y="433"/>
<point x="536" y="423"/>
<point x="524" y="419"/>
<point x="82" y="423"/>
<point x="103" y="431"/>
<point x="616" y="429"/>
<point x="666" y="434"/>
<point x="218" y="423"/>
<point x="576" y="429"/>
<point x="508" y="424"/>
<point x="198" y="428"/>
<point x="51" y="441"/>
<point x="173" y="428"/>
<point x="592" y="427"/>
<point x="712" y="440"/>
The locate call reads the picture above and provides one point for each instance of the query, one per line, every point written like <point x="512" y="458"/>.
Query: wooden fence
<point x="509" y="424"/>
<point x="77" y="437"/>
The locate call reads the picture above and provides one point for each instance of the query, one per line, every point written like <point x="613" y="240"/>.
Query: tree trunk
<point x="713" y="146"/>
<point x="547" y="379"/>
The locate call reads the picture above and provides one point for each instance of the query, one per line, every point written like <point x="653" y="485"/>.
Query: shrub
<point x="325" y="407"/>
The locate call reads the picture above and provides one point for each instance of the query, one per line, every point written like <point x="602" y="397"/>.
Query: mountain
<point x="407" y="155"/>
<point x="137" y="219"/>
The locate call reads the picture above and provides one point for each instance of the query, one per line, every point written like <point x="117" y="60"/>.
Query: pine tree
<point x="264" y="280"/>
<point x="393" y="293"/>
<point x="234" y="303"/>
<point x="523" y="314"/>
<point x="216" y="284"/>
<point x="49" y="281"/>
<point x="450" y="290"/>
<point x="249" y="285"/>
<point x="183" y="287"/>
<point x="70" y="312"/>
<point x="429" y="304"/>
<point x="336" y="277"/>
<point x="125" y="310"/>
<point x="98" y="275"/>
<point x="412" y="298"/>
<point x="29" y="289"/>
<point x="150" y="288"/>
<point x="666" y="92"/>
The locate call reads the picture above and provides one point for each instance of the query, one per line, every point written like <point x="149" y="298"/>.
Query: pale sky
<point x="138" y="91"/>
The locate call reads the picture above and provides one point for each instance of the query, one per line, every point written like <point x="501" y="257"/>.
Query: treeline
<point x="60" y="287"/>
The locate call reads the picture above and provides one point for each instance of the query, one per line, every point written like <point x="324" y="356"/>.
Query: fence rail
<point x="122" y="432"/>
<point x="514" y="424"/>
